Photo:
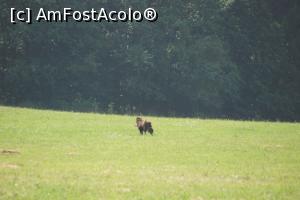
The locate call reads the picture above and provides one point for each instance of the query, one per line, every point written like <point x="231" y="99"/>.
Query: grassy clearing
<point x="60" y="155"/>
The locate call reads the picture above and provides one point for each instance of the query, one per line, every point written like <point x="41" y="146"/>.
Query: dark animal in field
<point x="144" y="126"/>
<point x="4" y="151"/>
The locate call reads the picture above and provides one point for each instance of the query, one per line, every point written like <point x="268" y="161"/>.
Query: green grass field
<point x="61" y="155"/>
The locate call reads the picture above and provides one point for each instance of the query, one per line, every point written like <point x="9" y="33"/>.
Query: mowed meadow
<point x="66" y="155"/>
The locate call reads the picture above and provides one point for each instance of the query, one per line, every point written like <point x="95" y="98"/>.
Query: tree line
<point x="217" y="58"/>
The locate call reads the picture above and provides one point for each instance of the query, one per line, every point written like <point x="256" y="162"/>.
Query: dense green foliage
<point x="60" y="155"/>
<point x="214" y="58"/>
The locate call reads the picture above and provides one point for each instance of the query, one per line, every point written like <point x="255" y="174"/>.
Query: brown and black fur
<point x="144" y="126"/>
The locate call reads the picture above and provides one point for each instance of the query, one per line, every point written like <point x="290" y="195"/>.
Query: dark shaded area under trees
<point x="208" y="58"/>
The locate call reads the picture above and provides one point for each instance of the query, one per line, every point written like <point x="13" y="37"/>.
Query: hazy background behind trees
<point x="207" y="58"/>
